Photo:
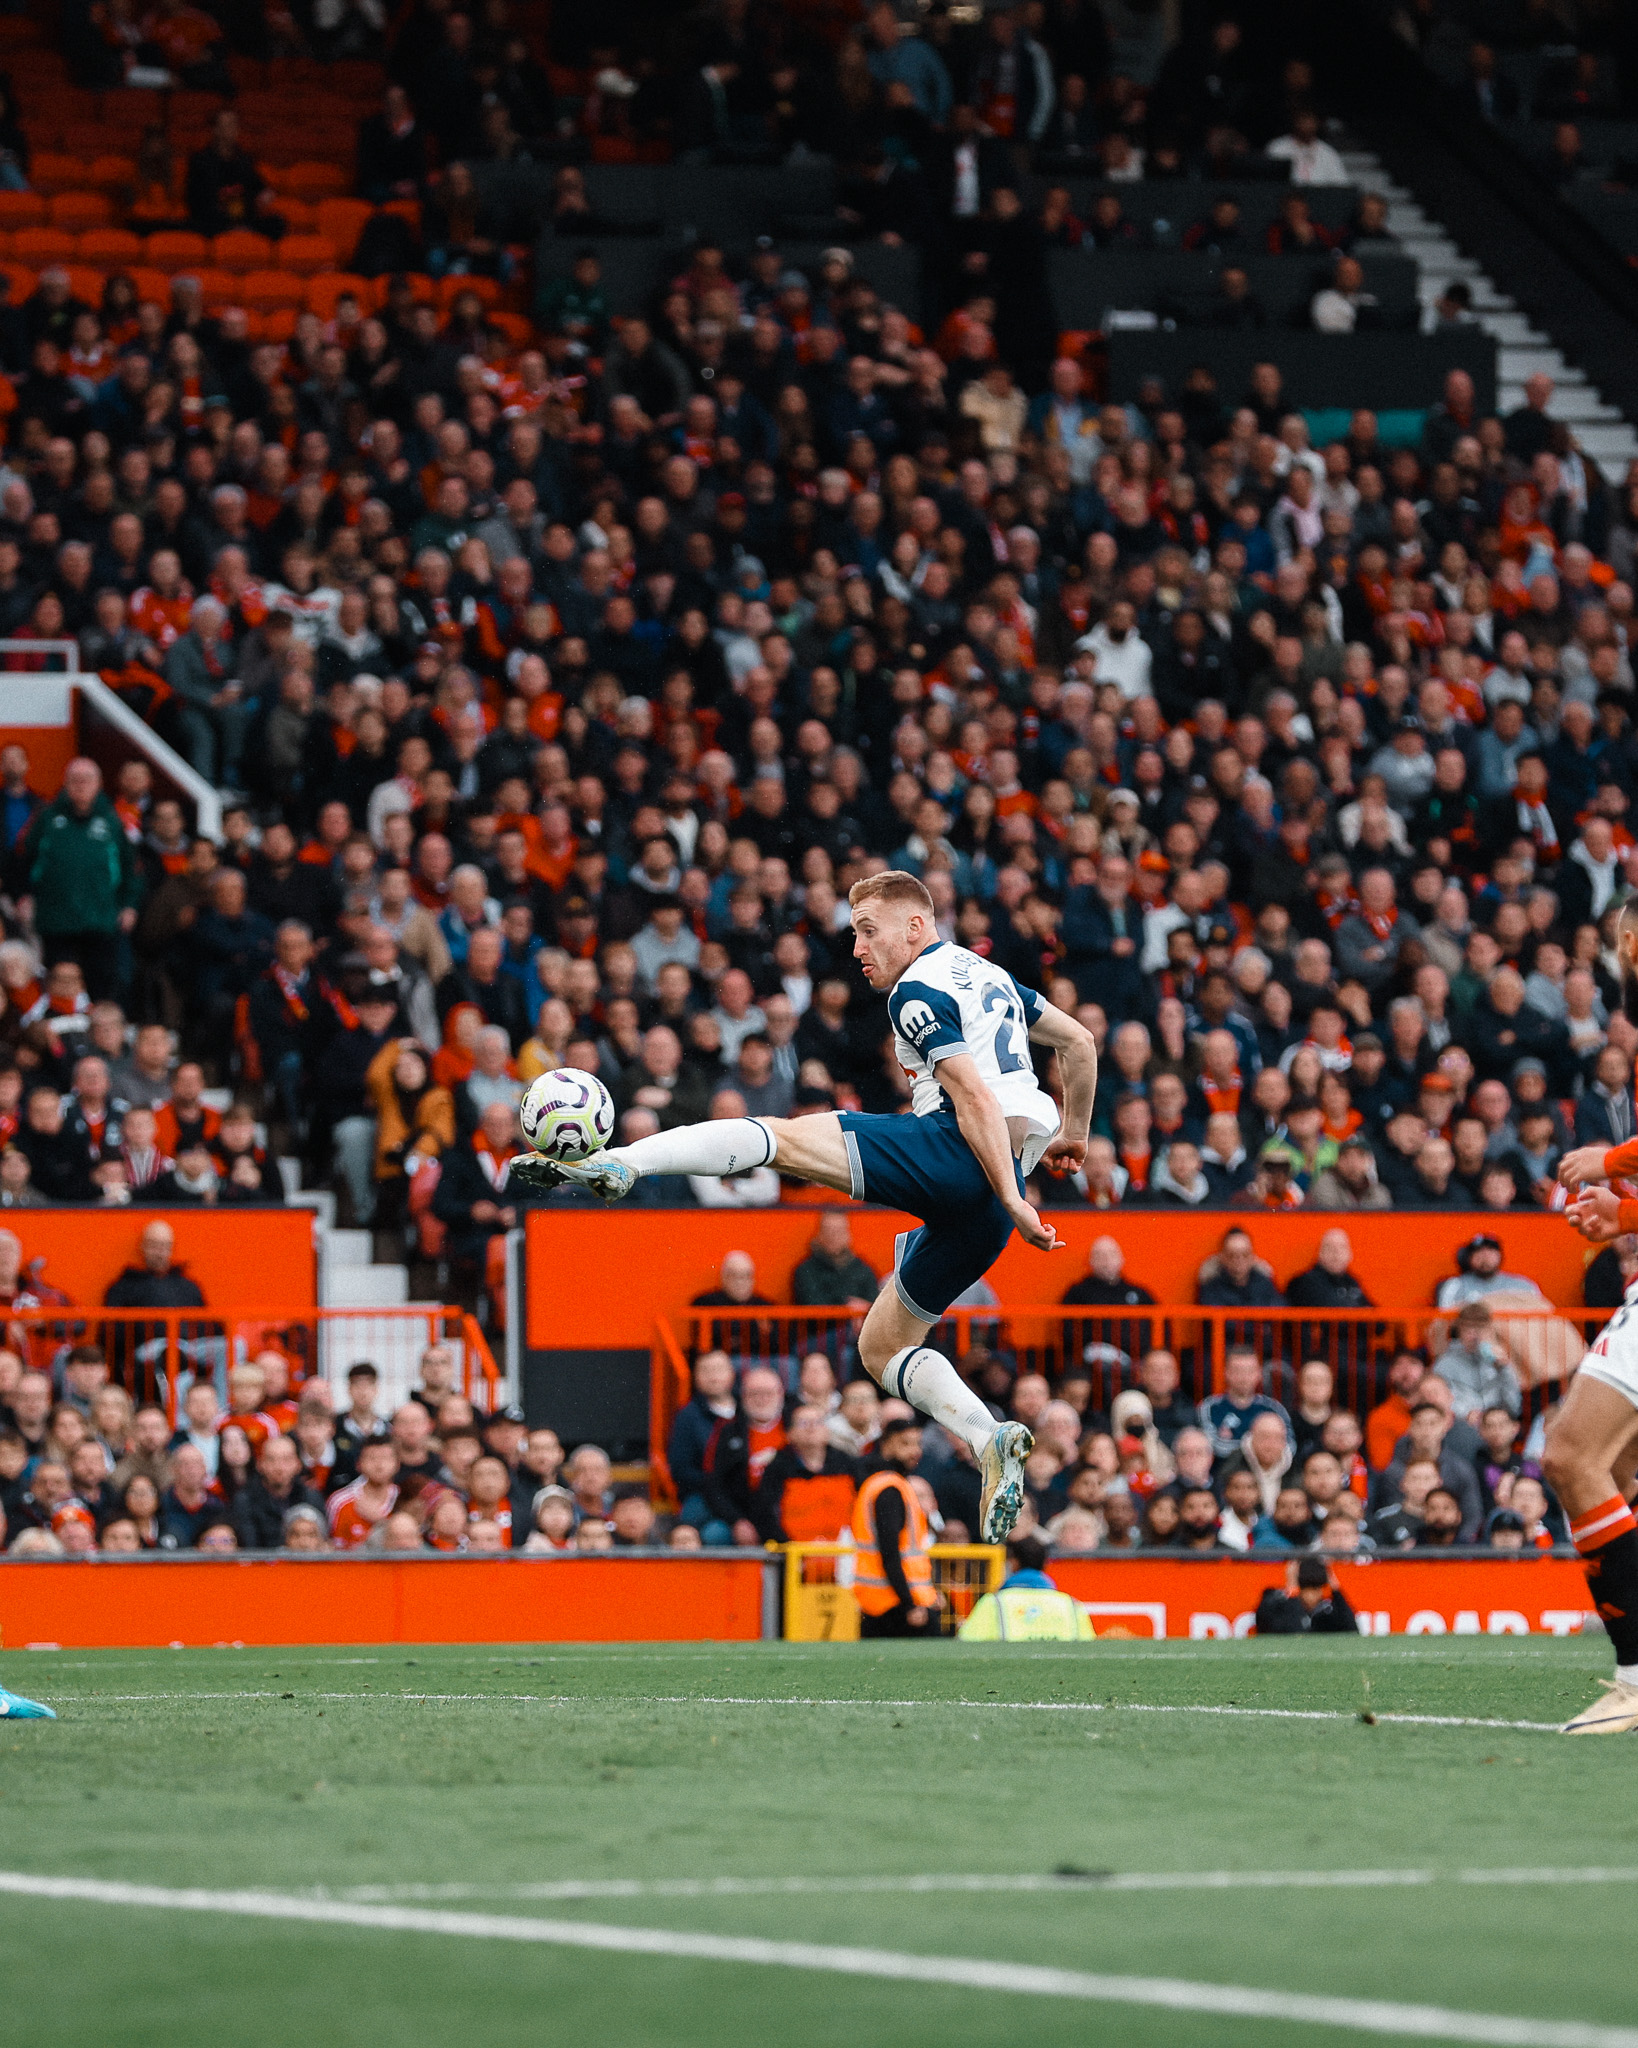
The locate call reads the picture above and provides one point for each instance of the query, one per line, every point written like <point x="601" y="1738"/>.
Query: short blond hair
<point x="895" y="886"/>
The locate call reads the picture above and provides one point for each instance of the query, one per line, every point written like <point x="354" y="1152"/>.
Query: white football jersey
<point x="949" y="1000"/>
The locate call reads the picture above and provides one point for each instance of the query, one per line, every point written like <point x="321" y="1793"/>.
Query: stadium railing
<point x="1544" y="1345"/>
<point x="819" y="1602"/>
<point x="149" y="1350"/>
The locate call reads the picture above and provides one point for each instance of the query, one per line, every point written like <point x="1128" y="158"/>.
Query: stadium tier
<point x="505" y="523"/>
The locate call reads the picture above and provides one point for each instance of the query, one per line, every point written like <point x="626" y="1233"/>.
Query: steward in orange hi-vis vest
<point x="893" y="1571"/>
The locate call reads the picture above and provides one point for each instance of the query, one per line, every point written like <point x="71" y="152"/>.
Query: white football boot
<point x="1002" y="1467"/>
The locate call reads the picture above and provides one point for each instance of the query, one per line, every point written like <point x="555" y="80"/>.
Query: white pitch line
<point x="1092" y="1881"/>
<point x="898" y="1706"/>
<point x="1173" y="1994"/>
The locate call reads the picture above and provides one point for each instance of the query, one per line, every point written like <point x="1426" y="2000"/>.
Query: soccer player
<point x="981" y="1123"/>
<point x="13" y="1707"/>
<point x="1591" y="1455"/>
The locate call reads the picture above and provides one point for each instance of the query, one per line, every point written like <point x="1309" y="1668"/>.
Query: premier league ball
<point x="567" y="1115"/>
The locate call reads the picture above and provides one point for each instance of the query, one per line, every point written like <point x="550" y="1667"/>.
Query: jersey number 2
<point x="1005" y="1058"/>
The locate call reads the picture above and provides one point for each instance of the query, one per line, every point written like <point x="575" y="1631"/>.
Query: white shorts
<point x="1613" y="1356"/>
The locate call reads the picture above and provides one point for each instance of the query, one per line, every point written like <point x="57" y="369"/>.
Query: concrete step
<point x="1614" y="447"/>
<point x="320" y="1201"/>
<point x="366" y="1287"/>
<point x="1513" y="365"/>
<point x="348" y="1247"/>
<point x="1575" y="404"/>
<point x="1514" y="330"/>
<point x="290" y="1174"/>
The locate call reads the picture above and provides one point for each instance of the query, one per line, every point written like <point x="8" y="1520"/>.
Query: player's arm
<point x="985" y="1130"/>
<point x="1077" y="1052"/>
<point x="1600" y="1215"/>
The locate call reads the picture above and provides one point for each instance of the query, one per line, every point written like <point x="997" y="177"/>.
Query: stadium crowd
<point x="773" y="1449"/>
<point x="559" y="688"/>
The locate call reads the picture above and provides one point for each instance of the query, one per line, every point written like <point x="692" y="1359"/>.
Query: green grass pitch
<point x="484" y="1783"/>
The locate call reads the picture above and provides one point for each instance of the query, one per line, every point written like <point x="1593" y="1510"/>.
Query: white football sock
<point x="928" y="1381"/>
<point x="733" y="1144"/>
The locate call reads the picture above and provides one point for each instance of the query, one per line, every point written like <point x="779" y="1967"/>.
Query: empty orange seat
<point x="20" y="278"/>
<point x="176" y="249"/>
<point x="305" y="254"/>
<point x="113" y="174"/>
<point x="309" y="180"/>
<point x="41" y="246"/>
<point x="515" y="326"/>
<point x="263" y="291"/>
<point x="240" y="250"/>
<point x="50" y="173"/>
<point x="330" y="285"/>
<point x="278" y="325"/>
<point x="85" y="284"/>
<point x="151" y="285"/>
<point x="116" y="248"/>
<point x="78" y="211"/>
<point x="219" y="288"/>
<point x="451" y="288"/>
<point x="343" y="221"/>
<point x="21" y="210"/>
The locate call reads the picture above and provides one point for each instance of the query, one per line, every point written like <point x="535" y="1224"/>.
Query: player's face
<point x="886" y="938"/>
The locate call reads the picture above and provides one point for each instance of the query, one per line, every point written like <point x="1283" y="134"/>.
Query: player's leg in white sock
<point x="928" y="1381"/>
<point x="732" y="1144"/>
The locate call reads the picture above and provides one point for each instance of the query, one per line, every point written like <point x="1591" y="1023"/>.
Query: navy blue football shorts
<point x="924" y="1164"/>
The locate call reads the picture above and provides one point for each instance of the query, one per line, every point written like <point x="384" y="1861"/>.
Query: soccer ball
<point x="567" y="1115"/>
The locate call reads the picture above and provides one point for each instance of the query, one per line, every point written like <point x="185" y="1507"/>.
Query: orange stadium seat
<point x="308" y="180"/>
<point x="22" y="210"/>
<point x="85" y="284"/>
<point x="176" y="249"/>
<point x="517" y="327"/>
<point x="278" y="325"/>
<point x="78" y="211"/>
<point x="306" y="254"/>
<point x="50" y="173"/>
<point x="324" y="290"/>
<point x="342" y="220"/>
<point x="113" y="174"/>
<point x="41" y="246"/>
<point x="263" y="291"/>
<point x="21" y="279"/>
<point x="451" y="288"/>
<point x="151" y="284"/>
<point x="241" y="250"/>
<point x="113" y="248"/>
<point x="219" y="288"/>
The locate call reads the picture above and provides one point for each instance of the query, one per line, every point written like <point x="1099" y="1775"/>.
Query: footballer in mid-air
<point x="962" y="1031"/>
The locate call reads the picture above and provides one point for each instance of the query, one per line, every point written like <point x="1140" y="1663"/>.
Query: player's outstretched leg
<point x="13" y="1707"/>
<point x="733" y="1144"/>
<point x="1588" y="1461"/>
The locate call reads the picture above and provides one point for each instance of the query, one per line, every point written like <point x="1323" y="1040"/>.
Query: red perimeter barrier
<point x="1216" y="1596"/>
<point x="239" y="1257"/>
<point x="111" y="1603"/>
<point x="151" y="1603"/>
<point x="602" y="1278"/>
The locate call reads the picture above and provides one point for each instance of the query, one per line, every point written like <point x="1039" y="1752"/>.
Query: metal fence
<point x="154" y="1354"/>
<point x="1108" y="1345"/>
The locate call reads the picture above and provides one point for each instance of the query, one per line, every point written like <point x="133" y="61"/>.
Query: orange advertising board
<point x="600" y="1278"/>
<point x="241" y="1258"/>
<point x="1216" y="1596"/>
<point x="107" y="1603"/>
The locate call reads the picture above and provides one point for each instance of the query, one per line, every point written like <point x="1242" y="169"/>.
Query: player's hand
<point x="1584" y="1164"/>
<point x="1033" y="1231"/>
<point x="1065" y="1155"/>
<point x="1596" y="1213"/>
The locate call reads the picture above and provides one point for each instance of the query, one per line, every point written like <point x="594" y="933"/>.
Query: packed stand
<point x="1284" y="1459"/>
<point x="560" y="688"/>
